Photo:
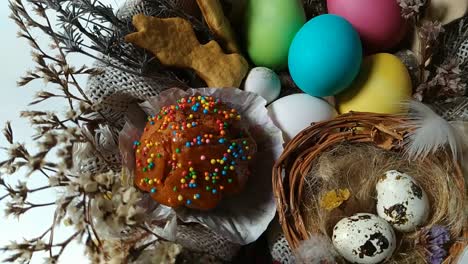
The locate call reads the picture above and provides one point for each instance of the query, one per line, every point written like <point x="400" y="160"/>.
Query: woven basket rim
<point x="382" y="130"/>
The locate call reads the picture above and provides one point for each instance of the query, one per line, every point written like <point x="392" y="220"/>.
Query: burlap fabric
<point x="114" y="91"/>
<point x="454" y="43"/>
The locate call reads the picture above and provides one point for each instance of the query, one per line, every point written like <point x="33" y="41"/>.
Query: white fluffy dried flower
<point x="18" y="199"/>
<point x="76" y="216"/>
<point x="113" y="252"/>
<point x="14" y="150"/>
<point x="50" y="141"/>
<point x="12" y="246"/>
<point x="54" y="180"/>
<point x="50" y="260"/>
<point x="114" y="207"/>
<point x="71" y="114"/>
<point x="90" y="187"/>
<point x="106" y="179"/>
<point x="40" y="245"/>
<point x="164" y="252"/>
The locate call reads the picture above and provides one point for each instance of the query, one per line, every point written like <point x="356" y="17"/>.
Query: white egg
<point x="401" y="201"/>
<point x="295" y="112"/>
<point x="263" y="82"/>
<point x="364" y="239"/>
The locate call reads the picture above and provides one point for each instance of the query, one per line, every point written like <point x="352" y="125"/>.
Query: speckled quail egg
<point x="364" y="239"/>
<point x="401" y="201"/>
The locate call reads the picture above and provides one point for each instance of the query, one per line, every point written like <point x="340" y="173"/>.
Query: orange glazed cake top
<point x="193" y="153"/>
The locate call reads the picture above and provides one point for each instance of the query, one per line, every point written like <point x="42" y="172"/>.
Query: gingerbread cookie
<point x="218" y="23"/>
<point x="173" y="42"/>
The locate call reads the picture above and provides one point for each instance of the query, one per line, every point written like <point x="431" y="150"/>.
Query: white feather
<point x="431" y="133"/>
<point x="315" y="250"/>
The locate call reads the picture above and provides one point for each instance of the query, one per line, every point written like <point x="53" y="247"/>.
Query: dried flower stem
<point x="89" y="220"/>
<point x="93" y="203"/>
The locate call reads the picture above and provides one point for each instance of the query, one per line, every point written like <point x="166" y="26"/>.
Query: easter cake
<point x="193" y="153"/>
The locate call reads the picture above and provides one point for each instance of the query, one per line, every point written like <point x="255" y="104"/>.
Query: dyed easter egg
<point x="271" y="26"/>
<point x="325" y="56"/>
<point x="381" y="86"/>
<point x="263" y="82"/>
<point x="295" y="112"/>
<point x="379" y="23"/>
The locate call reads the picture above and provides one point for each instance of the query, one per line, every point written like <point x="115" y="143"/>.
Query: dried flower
<point x="92" y="28"/>
<point x="449" y="78"/>
<point x="447" y="83"/>
<point x="435" y="240"/>
<point x="430" y="31"/>
<point x="8" y="133"/>
<point x="411" y="9"/>
<point x="83" y="201"/>
<point x="164" y="252"/>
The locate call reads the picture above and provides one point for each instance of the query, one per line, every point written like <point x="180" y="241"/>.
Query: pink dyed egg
<point x="379" y="22"/>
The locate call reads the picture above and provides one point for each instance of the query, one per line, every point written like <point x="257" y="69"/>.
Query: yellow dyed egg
<point x="382" y="85"/>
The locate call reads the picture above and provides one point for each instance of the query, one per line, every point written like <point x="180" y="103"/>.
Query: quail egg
<point x="364" y="239"/>
<point x="401" y="201"/>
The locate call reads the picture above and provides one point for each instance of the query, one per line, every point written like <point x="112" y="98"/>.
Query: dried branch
<point x="84" y="194"/>
<point x="8" y="133"/>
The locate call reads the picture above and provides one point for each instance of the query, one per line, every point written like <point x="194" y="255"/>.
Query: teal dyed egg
<point x="325" y="56"/>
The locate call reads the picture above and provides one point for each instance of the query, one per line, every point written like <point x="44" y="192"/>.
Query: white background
<point x="15" y="59"/>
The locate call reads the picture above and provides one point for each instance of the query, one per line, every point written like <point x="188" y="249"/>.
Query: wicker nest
<point x="386" y="132"/>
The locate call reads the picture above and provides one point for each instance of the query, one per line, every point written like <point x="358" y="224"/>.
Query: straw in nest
<point x="352" y="151"/>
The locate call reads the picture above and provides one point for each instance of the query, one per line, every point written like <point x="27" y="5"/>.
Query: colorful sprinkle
<point x="193" y="108"/>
